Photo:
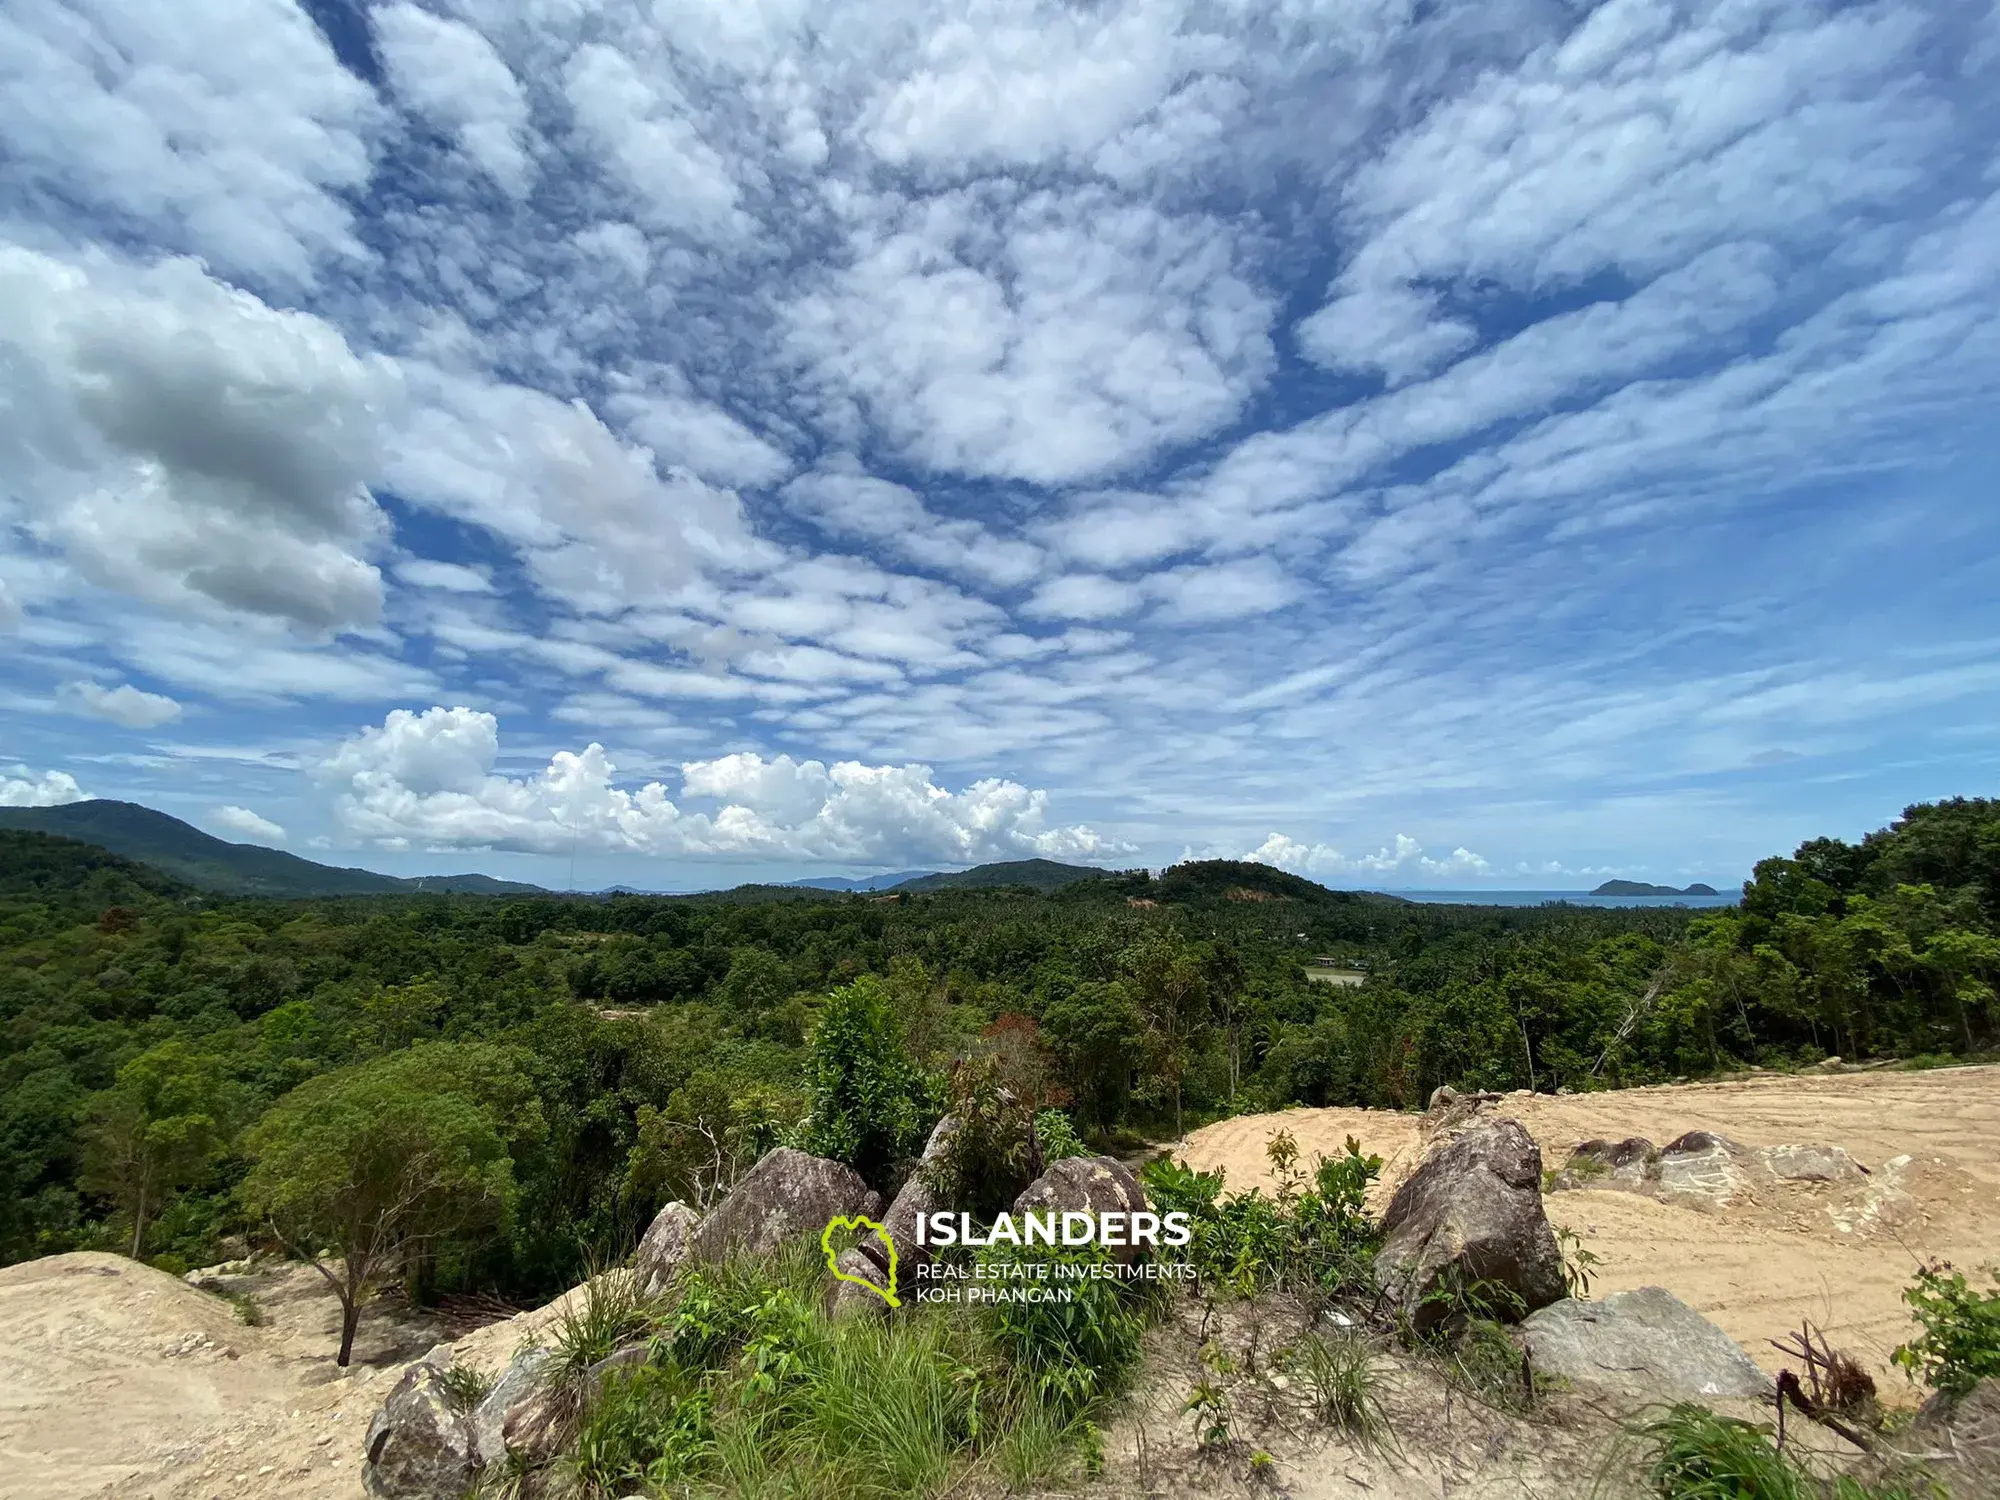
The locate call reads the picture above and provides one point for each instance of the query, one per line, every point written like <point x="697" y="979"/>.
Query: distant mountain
<point x="1641" y="888"/>
<point x="187" y="854"/>
<point x="1037" y="874"/>
<point x="861" y="883"/>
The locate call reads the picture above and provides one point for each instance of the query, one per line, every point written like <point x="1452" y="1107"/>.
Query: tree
<point x="1167" y="981"/>
<point x="377" y="1164"/>
<point x="1095" y="1033"/>
<point x="870" y="1103"/>
<point x="155" y="1130"/>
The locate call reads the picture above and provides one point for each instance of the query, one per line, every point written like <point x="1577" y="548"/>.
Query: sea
<point x="1572" y="898"/>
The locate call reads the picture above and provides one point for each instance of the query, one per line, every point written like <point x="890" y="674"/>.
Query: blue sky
<point x="1415" y="445"/>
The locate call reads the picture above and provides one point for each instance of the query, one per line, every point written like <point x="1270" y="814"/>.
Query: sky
<point x="675" y="442"/>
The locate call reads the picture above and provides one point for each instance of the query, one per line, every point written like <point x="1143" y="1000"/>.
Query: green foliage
<point x="161" y="1124"/>
<point x="1310" y="1235"/>
<point x="1340" y="1378"/>
<point x="1960" y="1344"/>
<point x="651" y="1426"/>
<point x="984" y="1162"/>
<point x="1693" y="1454"/>
<point x="1058" y="1136"/>
<point x="1074" y="1353"/>
<point x="870" y="1105"/>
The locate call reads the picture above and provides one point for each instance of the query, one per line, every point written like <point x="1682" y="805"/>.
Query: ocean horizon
<point x="1572" y="898"/>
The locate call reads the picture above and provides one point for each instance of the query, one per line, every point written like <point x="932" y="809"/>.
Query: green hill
<point x="1035" y="874"/>
<point x="54" y="871"/>
<point x="185" y="853"/>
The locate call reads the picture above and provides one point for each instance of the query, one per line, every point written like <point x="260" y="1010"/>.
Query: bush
<point x="1315" y="1236"/>
<point x="652" y="1425"/>
<point x="1058" y="1136"/>
<point x="1692" y="1454"/>
<point x="1073" y="1353"/>
<point x="871" y="1105"/>
<point x="1960" y="1344"/>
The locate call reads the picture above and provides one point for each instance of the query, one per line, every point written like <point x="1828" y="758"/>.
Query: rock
<point x="1885" y="1203"/>
<point x="536" y="1428"/>
<point x="1626" y="1164"/>
<point x="624" y="1357"/>
<point x="1960" y="1437"/>
<point x="1471" y="1212"/>
<point x="419" y="1445"/>
<point x="1085" y="1184"/>
<point x="664" y="1250"/>
<point x="1645" y="1343"/>
<point x="786" y="1195"/>
<point x="520" y="1380"/>
<point x="918" y="1199"/>
<point x="1811" y="1163"/>
<point x="1449" y="1109"/>
<point x="1700" y="1170"/>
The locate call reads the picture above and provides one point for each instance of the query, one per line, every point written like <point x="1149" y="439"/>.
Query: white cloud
<point x="448" y="577"/>
<point x="242" y="820"/>
<point x="451" y="75"/>
<point x="597" y="524"/>
<point x="1404" y="857"/>
<point x="643" y="125"/>
<point x="1084" y="596"/>
<point x="850" y="503"/>
<point x="20" y="787"/>
<point x="705" y="438"/>
<point x="132" y="707"/>
<point x="1053" y="340"/>
<point x="226" y="126"/>
<point x="429" y="778"/>
<point x="184" y="443"/>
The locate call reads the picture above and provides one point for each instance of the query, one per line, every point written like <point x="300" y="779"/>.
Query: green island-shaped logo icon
<point x="887" y="1294"/>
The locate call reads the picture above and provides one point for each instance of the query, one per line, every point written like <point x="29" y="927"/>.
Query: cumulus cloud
<point x="645" y="128"/>
<point x="132" y="707"/>
<point x="449" y="74"/>
<point x="1404" y="857"/>
<point x="184" y="443"/>
<point x="20" y="787"/>
<point x="429" y="777"/>
<point x="242" y="820"/>
<point x="849" y="503"/>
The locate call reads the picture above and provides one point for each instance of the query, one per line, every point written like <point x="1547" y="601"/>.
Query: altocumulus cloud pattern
<point x="893" y="433"/>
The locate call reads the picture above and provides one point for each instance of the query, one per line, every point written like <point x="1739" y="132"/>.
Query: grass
<point x="1340" y="1379"/>
<point x="1692" y="1454"/>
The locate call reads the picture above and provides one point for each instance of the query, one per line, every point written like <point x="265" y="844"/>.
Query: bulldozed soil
<point x="1773" y="1253"/>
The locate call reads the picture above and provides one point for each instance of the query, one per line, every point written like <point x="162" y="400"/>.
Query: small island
<point x="1641" y="888"/>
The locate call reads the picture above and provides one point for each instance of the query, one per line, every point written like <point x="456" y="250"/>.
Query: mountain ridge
<point x="184" y="853"/>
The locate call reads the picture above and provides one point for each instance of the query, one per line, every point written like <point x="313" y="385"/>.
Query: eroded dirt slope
<point x="1774" y="1253"/>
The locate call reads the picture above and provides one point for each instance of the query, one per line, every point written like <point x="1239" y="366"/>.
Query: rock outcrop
<point x="919" y="1198"/>
<point x="1701" y="1170"/>
<point x="517" y="1383"/>
<point x="1624" y="1164"/>
<point x="786" y="1195"/>
<point x="1645" y="1343"/>
<point x="1085" y="1184"/>
<point x="665" y="1249"/>
<point x="420" y="1445"/>
<point x="1472" y="1213"/>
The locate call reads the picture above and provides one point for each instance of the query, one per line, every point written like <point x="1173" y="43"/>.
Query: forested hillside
<point x="595" y="1057"/>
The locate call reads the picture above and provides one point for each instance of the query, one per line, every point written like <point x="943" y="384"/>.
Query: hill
<point x="185" y="853"/>
<point x="66" y="873"/>
<point x="1642" y="888"/>
<point x="1035" y="874"/>
<point x="860" y="883"/>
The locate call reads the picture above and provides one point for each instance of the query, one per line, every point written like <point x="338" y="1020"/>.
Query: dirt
<point x="1775" y="1253"/>
<point x="122" y="1382"/>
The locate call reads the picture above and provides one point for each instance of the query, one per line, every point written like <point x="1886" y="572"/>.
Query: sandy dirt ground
<point x="120" y="1382"/>
<point x="1774" y="1254"/>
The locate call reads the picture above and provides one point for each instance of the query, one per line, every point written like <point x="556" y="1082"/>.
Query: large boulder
<point x="920" y="1197"/>
<point x="1626" y="1164"/>
<point x="517" y="1383"/>
<point x="1811" y="1162"/>
<point x="1645" y="1343"/>
<point x="420" y="1444"/>
<point x="786" y="1195"/>
<point x="1471" y="1213"/>
<point x="664" y="1250"/>
<point x="1085" y="1184"/>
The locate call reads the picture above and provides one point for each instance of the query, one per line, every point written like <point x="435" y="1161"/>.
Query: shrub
<point x="1073" y="1353"/>
<point x="871" y="1105"/>
<point x="1692" y="1454"/>
<point x="1960" y="1344"/>
<point x="1058" y="1136"/>
<point x="651" y="1425"/>
<point x="1339" y="1376"/>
